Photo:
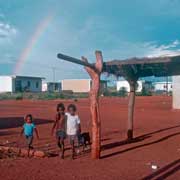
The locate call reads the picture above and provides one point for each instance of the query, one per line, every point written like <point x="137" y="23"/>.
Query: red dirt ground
<point x="157" y="132"/>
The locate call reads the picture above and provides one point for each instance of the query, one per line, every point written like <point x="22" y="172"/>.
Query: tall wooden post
<point x="94" y="104"/>
<point x="131" y="104"/>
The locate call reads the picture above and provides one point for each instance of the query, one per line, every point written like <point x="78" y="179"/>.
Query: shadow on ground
<point x="138" y="139"/>
<point x="5" y="133"/>
<point x="165" y="171"/>
<point x="13" y="122"/>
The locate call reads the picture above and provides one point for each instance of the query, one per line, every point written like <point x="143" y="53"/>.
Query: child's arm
<point x="36" y="131"/>
<point x="22" y="131"/>
<point x="54" y="126"/>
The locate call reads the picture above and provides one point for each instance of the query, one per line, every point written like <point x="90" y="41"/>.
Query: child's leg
<point x="72" y="137"/>
<point x="62" y="147"/>
<point x="29" y="143"/>
<point x="73" y="148"/>
<point x="58" y="139"/>
<point x="58" y="142"/>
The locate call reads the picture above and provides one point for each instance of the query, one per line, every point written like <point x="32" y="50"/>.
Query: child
<point x="73" y="126"/>
<point x="28" y="130"/>
<point x="60" y="126"/>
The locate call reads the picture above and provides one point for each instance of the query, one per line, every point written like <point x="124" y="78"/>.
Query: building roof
<point x="19" y="76"/>
<point x="52" y="82"/>
<point x="75" y="79"/>
<point x="163" y="82"/>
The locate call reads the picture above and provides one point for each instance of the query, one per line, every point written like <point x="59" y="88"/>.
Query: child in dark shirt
<point x="60" y="126"/>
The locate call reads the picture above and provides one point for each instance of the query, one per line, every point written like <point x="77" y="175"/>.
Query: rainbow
<point x="31" y="43"/>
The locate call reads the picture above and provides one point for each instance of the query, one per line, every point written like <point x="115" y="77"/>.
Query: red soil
<point x="157" y="132"/>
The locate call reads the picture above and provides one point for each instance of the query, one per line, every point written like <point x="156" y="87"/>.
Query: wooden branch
<point x="75" y="60"/>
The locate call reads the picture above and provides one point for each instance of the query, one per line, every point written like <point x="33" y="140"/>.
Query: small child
<point x="60" y="126"/>
<point x="28" y="130"/>
<point x="73" y="126"/>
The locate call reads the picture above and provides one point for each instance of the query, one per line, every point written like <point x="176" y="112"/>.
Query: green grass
<point x="42" y="96"/>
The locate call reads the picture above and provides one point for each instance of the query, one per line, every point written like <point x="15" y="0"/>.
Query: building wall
<point x="44" y="87"/>
<point x="103" y="86"/>
<point x="176" y="92"/>
<point x="77" y="85"/>
<point x="125" y="84"/>
<point x="27" y="84"/>
<point x="6" y="84"/>
<point x="52" y="86"/>
<point x="162" y="86"/>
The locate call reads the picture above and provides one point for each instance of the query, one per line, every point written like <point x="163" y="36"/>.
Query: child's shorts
<point x="60" y="134"/>
<point x="29" y="140"/>
<point x="72" y="138"/>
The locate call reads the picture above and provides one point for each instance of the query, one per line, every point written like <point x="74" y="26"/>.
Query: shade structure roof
<point x="143" y="67"/>
<point x="135" y="68"/>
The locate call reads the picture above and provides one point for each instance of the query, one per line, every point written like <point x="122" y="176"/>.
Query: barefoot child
<point x="60" y="126"/>
<point x="28" y="130"/>
<point x="73" y="126"/>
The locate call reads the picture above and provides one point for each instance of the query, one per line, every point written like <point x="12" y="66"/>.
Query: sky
<point x="33" y="32"/>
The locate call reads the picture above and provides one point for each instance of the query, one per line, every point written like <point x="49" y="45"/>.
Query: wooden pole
<point x="131" y="104"/>
<point x="94" y="104"/>
<point x="94" y="70"/>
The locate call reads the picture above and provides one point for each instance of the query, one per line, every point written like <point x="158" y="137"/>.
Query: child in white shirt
<point x="73" y="126"/>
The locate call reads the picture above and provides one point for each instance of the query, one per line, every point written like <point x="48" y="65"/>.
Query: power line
<point x="53" y="69"/>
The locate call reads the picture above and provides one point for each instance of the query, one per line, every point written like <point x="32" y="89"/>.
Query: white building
<point x="20" y="84"/>
<point x="76" y="85"/>
<point x="125" y="84"/>
<point x="162" y="86"/>
<point x="51" y="86"/>
<point x="176" y="92"/>
<point x="80" y="85"/>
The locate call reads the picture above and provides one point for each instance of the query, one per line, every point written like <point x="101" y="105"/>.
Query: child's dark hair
<point x="30" y="116"/>
<point x="72" y="106"/>
<point x="60" y="105"/>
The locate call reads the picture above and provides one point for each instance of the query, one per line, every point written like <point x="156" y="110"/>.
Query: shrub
<point x="122" y="92"/>
<point x="19" y="96"/>
<point x="144" y="92"/>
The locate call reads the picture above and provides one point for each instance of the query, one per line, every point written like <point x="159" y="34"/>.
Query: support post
<point x="131" y="104"/>
<point x="94" y="104"/>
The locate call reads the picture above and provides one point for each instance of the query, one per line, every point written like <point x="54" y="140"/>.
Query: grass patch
<point x="42" y="96"/>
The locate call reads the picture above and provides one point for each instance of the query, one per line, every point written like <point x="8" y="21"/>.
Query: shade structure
<point x="131" y="69"/>
<point x="144" y="67"/>
<point x="139" y="67"/>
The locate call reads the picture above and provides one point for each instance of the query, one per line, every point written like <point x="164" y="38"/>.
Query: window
<point x="18" y="86"/>
<point x="37" y="84"/>
<point x="56" y="87"/>
<point x="28" y="84"/>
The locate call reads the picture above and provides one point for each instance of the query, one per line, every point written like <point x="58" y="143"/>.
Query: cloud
<point x="172" y="49"/>
<point x="7" y="31"/>
<point x="142" y="49"/>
